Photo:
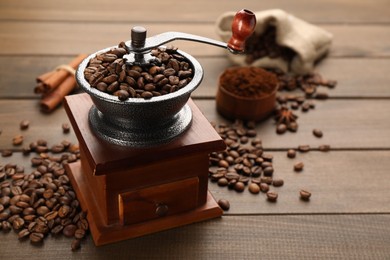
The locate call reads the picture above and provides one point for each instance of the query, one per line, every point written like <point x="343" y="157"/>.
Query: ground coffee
<point x="250" y="82"/>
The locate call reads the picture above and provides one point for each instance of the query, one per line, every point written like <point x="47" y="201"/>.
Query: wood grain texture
<point x="348" y="215"/>
<point x="341" y="182"/>
<point x="233" y="237"/>
<point x="69" y="38"/>
<point x="357" y="77"/>
<point x="347" y="124"/>
<point x="200" y="11"/>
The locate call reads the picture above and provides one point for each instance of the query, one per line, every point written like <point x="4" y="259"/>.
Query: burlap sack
<point x="308" y="41"/>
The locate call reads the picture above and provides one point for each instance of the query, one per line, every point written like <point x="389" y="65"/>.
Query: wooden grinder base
<point x="130" y="192"/>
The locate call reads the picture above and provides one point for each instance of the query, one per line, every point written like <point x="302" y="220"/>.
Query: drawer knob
<point x="161" y="210"/>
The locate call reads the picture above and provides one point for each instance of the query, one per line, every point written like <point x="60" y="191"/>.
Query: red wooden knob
<point x="243" y="25"/>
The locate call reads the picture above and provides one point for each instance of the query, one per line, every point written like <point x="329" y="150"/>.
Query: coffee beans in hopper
<point x="110" y="73"/>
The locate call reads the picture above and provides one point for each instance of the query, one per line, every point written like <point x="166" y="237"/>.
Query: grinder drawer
<point x="158" y="201"/>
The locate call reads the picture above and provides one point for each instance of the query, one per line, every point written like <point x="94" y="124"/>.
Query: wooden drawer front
<point x="158" y="201"/>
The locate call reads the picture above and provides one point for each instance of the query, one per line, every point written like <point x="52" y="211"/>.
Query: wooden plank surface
<point x="68" y="38"/>
<point x="336" y="179"/>
<point x="348" y="215"/>
<point x="357" y="77"/>
<point x="233" y="237"/>
<point x="335" y="11"/>
<point x="333" y="117"/>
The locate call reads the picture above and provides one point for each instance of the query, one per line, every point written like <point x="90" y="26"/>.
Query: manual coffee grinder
<point x="144" y="162"/>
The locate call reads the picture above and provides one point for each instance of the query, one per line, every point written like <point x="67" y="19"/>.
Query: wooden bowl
<point x="233" y="106"/>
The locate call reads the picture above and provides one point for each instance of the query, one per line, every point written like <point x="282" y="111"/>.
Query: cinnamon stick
<point x="54" y="98"/>
<point x="52" y="80"/>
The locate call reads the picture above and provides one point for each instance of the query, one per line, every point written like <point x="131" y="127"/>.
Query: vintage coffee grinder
<point x="144" y="162"/>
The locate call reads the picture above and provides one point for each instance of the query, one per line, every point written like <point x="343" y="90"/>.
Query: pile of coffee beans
<point x="243" y="163"/>
<point x="304" y="89"/>
<point x="262" y="45"/>
<point x="42" y="202"/>
<point x="110" y="72"/>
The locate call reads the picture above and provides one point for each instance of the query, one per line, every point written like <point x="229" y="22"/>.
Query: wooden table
<point x="349" y="214"/>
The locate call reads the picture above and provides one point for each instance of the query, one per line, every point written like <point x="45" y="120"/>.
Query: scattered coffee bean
<point x="223" y="182"/>
<point x="224" y="204"/>
<point x="304" y="148"/>
<point x="79" y="233"/>
<point x="239" y="186"/>
<point x="298" y="166"/>
<point x="264" y="187"/>
<point x="272" y="196"/>
<point x="254" y="188"/>
<point x="6" y="153"/>
<point x="291" y="153"/>
<point x="75" y="244"/>
<point x="304" y="195"/>
<point x="277" y="182"/>
<point x="281" y="129"/>
<point x="23" y="233"/>
<point x="65" y="128"/>
<point x="324" y="148"/>
<point x="69" y="230"/>
<point x="36" y="237"/>
<point x="317" y="133"/>
<point x="268" y="171"/>
<point x="24" y="124"/>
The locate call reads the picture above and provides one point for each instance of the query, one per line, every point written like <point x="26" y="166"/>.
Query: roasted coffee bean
<point x="224" y="204"/>
<point x="6" y="153"/>
<point x="24" y="124"/>
<point x="23" y="233"/>
<point x="317" y="133"/>
<point x="303" y="148"/>
<point x="239" y="186"/>
<point x="6" y="226"/>
<point x="254" y="188"/>
<point x="291" y="153"/>
<point x="79" y="233"/>
<point x="42" y="210"/>
<point x="277" y="182"/>
<point x="223" y="163"/>
<point x="267" y="157"/>
<point x="223" y="182"/>
<point x="264" y="187"/>
<point x="305" y="195"/>
<point x="266" y="179"/>
<point x="83" y="222"/>
<point x="281" y="128"/>
<point x="17" y="140"/>
<point x="298" y="166"/>
<point x="57" y="229"/>
<point x="268" y="171"/>
<point x="244" y="179"/>
<point x="69" y="230"/>
<point x="272" y="196"/>
<point x="36" y="237"/>
<point x="76" y="243"/>
<point x="58" y="148"/>
<point x="18" y="223"/>
<point x="293" y="127"/>
<point x="65" y="128"/>
<point x="324" y="148"/>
